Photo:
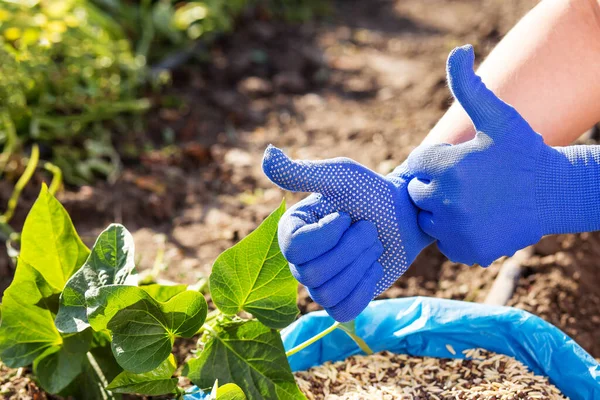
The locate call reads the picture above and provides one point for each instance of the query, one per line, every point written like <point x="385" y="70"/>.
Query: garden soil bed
<point x="367" y="83"/>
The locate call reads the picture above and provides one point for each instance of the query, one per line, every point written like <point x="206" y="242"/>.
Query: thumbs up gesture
<point x="353" y="237"/>
<point x="481" y="199"/>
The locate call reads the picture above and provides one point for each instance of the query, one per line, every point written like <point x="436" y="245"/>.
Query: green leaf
<point x="254" y="276"/>
<point x="154" y="383"/>
<point x="250" y="355"/>
<point x="110" y="262"/>
<point x="50" y="252"/>
<point x="49" y="242"/>
<point x="58" y="366"/>
<point x="143" y="329"/>
<point x="230" y="391"/>
<point x="163" y="292"/>
<point x="27" y="328"/>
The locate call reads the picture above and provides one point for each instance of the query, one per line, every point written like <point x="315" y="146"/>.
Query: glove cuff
<point x="568" y="189"/>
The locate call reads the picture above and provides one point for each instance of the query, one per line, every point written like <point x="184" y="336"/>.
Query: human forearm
<point x="548" y="68"/>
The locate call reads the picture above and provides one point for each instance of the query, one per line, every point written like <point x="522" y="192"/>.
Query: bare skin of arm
<point x="548" y="68"/>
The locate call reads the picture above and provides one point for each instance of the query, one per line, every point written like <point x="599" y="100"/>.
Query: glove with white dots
<point x="353" y="237"/>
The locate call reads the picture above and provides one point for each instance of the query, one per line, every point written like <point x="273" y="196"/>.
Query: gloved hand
<point x="352" y="238"/>
<point x="504" y="189"/>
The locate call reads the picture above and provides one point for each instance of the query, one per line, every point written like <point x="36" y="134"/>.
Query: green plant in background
<point x="79" y="317"/>
<point x="158" y="27"/>
<point x="66" y="69"/>
<point x="69" y="67"/>
<point x="162" y="28"/>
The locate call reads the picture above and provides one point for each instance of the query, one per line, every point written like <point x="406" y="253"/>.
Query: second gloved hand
<point x="504" y="189"/>
<point x="352" y="238"/>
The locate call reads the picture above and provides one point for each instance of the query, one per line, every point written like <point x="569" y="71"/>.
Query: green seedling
<point x="79" y="317"/>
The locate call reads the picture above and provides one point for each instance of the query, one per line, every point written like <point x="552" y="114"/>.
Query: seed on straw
<point x="481" y="375"/>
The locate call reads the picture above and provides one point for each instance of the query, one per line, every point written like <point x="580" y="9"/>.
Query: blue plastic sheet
<point x="422" y="326"/>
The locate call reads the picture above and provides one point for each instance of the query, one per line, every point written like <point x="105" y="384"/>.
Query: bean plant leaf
<point x="49" y="242"/>
<point x="163" y="292"/>
<point x="230" y="391"/>
<point x="51" y="251"/>
<point x="250" y="355"/>
<point x="154" y="383"/>
<point x="27" y="328"/>
<point x="110" y="262"/>
<point x="58" y="366"/>
<point x="254" y="276"/>
<point x="143" y="329"/>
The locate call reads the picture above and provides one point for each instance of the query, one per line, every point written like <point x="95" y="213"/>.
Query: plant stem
<point x="56" y="177"/>
<point x="360" y="342"/>
<point x="212" y="316"/>
<point x="200" y="286"/>
<point x="107" y="395"/>
<point x="5" y="231"/>
<point x="180" y="393"/>
<point x="210" y="329"/>
<point x="11" y="140"/>
<point x="21" y="183"/>
<point x="312" y="340"/>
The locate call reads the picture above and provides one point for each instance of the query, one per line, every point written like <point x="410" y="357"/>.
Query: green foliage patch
<point x="67" y="68"/>
<point x="72" y="71"/>
<point x="81" y="320"/>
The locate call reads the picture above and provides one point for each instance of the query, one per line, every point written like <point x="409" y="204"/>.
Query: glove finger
<point x="341" y="286"/>
<point x="426" y="162"/>
<point x="488" y="113"/>
<point x="303" y="237"/>
<point x="349" y="308"/>
<point x="357" y="239"/>
<point x="327" y="177"/>
<point x="423" y="194"/>
<point x="428" y="224"/>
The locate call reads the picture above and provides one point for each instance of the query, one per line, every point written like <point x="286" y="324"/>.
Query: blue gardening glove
<point x="352" y="238"/>
<point x="503" y="190"/>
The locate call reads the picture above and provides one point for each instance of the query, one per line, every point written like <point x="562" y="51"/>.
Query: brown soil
<point x="16" y="384"/>
<point x="367" y="83"/>
<point x="560" y="284"/>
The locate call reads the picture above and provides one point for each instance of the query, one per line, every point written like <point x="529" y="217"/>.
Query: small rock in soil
<point x="255" y="87"/>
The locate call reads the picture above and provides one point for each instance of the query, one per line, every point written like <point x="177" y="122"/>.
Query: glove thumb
<point x="305" y="176"/>
<point x="488" y="113"/>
